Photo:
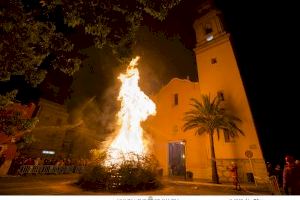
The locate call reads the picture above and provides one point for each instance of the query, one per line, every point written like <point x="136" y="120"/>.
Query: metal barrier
<point x="271" y="182"/>
<point x="50" y="169"/>
<point x="274" y="187"/>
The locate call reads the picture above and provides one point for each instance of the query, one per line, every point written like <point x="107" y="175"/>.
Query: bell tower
<point x="219" y="74"/>
<point x="209" y="26"/>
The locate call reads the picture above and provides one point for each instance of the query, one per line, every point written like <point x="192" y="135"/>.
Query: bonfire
<point x="136" y="107"/>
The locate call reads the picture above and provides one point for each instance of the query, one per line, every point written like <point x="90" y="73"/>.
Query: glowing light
<point x="135" y="108"/>
<point x="48" y="152"/>
<point x="209" y="37"/>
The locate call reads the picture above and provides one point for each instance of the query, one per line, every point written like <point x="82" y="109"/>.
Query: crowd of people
<point x="18" y="161"/>
<point x="288" y="178"/>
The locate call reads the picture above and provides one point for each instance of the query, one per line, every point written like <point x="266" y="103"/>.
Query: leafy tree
<point x="26" y="44"/>
<point x="34" y="37"/>
<point x="15" y="121"/>
<point x="25" y="141"/>
<point x="7" y="99"/>
<point x="209" y="117"/>
<point x="34" y="34"/>
<point x="110" y="23"/>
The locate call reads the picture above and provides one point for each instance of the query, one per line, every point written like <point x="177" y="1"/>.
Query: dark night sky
<point x="265" y="41"/>
<point x="264" y="38"/>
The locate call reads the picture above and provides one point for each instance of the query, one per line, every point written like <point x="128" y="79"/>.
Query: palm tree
<point x="210" y="117"/>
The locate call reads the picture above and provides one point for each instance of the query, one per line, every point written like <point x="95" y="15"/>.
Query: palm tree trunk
<point x="214" y="172"/>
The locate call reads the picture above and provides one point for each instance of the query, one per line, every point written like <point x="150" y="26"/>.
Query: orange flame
<point x="135" y="108"/>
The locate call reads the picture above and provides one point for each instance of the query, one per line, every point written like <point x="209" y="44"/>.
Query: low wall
<point x="49" y="169"/>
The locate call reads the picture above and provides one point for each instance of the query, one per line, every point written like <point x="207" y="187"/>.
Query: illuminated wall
<point x="218" y="74"/>
<point x="51" y="129"/>
<point x="172" y="102"/>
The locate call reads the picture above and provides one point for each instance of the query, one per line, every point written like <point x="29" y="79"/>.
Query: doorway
<point x="177" y="158"/>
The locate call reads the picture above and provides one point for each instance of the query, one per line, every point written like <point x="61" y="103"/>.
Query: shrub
<point x="94" y="178"/>
<point x="128" y="176"/>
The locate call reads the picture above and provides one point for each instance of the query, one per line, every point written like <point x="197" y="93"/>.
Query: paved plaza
<point x="64" y="185"/>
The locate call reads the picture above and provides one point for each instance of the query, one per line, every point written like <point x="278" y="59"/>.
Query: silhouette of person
<point x="291" y="176"/>
<point x="234" y="174"/>
<point x="269" y="169"/>
<point x="278" y="173"/>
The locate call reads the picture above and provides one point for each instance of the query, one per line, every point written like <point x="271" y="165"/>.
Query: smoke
<point x="95" y="122"/>
<point x="162" y="58"/>
<point x="109" y="108"/>
<point x="95" y="89"/>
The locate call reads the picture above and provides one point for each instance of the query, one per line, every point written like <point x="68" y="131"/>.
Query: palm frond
<point x="201" y="131"/>
<point x="208" y="116"/>
<point x="218" y="133"/>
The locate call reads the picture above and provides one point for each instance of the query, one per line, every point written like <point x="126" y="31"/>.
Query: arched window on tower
<point x="208" y="28"/>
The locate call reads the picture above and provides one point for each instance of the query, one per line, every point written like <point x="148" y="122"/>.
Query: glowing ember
<point x="135" y="108"/>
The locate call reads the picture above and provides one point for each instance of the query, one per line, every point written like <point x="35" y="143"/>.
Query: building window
<point x="221" y="96"/>
<point x="175" y="99"/>
<point x="208" y="28"/>
<point x="213" y="61"/>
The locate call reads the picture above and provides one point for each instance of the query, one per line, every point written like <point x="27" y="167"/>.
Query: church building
<point x="179" y="152"/>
